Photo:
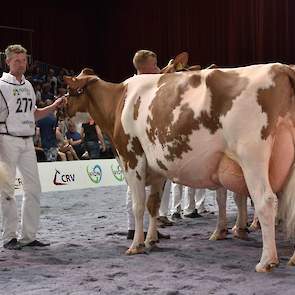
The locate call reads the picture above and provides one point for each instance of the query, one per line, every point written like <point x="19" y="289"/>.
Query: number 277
<point x="24" y="104"/>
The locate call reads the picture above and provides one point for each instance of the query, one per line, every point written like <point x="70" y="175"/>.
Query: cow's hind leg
<point x="136" y="182"/>
<point x="255" y="168"/>
<point x="221" y="227"/>
<point x="153" y="205"/>
<point x="240" y="229"/>
<point x="255" y="225"/>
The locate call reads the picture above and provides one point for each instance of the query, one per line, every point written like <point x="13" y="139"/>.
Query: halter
<point x="62" y="112"/>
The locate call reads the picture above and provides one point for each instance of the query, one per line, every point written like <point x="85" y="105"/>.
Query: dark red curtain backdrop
<point x="225" y="32"/>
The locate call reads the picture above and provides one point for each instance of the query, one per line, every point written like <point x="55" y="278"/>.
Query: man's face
<point x="149" y="66"/>
<point x="17" y="63"/>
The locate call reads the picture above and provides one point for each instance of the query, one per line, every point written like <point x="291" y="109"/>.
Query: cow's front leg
<point x="240" y="229"/>
<point x="221" y="227"/>
<point x="153" y="205"/>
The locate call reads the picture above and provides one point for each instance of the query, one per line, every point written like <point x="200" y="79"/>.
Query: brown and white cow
<point x="231" y="128"/>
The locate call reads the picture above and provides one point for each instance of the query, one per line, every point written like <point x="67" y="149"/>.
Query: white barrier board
<point x="70" y="175"/>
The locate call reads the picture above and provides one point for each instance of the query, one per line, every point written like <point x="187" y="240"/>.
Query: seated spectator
<point x="37" y="87"/>
<point x="65" y="147"/>
<point x="60" y="77"/>
<point x="108" y="153"/>
<point x="52" y="80"/>
<point x="61" y="91"/>
<point x="74" y="138"/>
<point x="38" y="149"/>
<point x="37" y="76"/>
<point x="93" y="139"/>
<point x="46" y="92"/>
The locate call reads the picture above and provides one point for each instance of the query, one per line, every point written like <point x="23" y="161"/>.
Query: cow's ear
<point x="87" y="71"/>
<point x="79" y="82"/>
<point x="74" y="82"/>
<point x="181" y="59"/>
<point x="71" y="82"/>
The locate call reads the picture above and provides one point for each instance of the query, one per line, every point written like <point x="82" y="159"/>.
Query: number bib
<point x="20" y="101"/>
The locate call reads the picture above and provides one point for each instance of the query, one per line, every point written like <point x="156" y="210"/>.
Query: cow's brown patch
<point x="153" y="204"/>
<point x="275" y="101"/>
<point x="161" y="165"/>
<point x="122" y="140"/>
<point x="136" y="108"/>
<point x="173" y="135"/>
<point x="224" y="88"/>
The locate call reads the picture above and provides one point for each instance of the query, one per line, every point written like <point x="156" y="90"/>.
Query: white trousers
<point x="194" y="199"/>
<point x="165" y="201"/>
<point x="163" y="211"/>
<point x="189" y="200"/>
<point x="176" y="197"/>
<point x="17" y="152"/>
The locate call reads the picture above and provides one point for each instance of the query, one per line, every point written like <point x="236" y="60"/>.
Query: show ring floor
<point x="87" y="229"/>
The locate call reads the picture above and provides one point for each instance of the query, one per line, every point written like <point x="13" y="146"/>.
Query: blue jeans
<point x="93" y="149"/>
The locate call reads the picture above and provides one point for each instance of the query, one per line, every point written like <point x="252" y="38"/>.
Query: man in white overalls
<point x="17" y="127"/>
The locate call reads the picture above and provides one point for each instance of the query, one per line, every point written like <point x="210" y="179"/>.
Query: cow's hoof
<point x="240" y="233"/>
<point x="218" y="235"/>
<point x="291" y="262"/>
<point x="140" y="249"/>
<point x="150" y="244"/>
<point x="266" y="268"/>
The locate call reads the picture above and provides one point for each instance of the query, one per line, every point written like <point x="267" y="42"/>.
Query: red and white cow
<point x="231" y="128"/>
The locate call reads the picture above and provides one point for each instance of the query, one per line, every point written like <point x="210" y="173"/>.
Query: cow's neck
<point x="104" y="103"/>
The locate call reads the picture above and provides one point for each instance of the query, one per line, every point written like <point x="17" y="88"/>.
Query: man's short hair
<point x="141" y="56"/>
<point x="15" y="48"/>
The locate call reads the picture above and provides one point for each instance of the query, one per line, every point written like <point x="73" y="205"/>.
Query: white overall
<point x="17" y="151"/>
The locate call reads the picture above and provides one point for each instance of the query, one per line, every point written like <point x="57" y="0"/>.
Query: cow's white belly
<point x="197" y="167"/>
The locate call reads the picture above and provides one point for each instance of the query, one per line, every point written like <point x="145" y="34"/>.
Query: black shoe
<point x="163" y="236"/>
<point x="194" y="214"/>
<point x="36" y="243"/>
<point x="164" y="221"/>
<point x="131" y="232"/>
<point x="13" y="244"/>
<point x="175" y="215"/>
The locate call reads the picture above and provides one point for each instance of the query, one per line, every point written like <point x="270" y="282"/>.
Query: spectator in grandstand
<point x="46" y="92"/>
<point x="74" y="139"/>
<point x="52" y="80"/>
<point x="38" y="148"/>
<point x="37" y="87"/>
<point x="61" y="91"/>
<point x="65" y="147"/>
<point x="60" y="77"/>
<point x="36" y="75"/>
<point x="108" y="153"/>
<point x="93" y="139"/>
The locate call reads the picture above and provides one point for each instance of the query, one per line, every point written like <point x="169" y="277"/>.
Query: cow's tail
<point x="286" y="212"/>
